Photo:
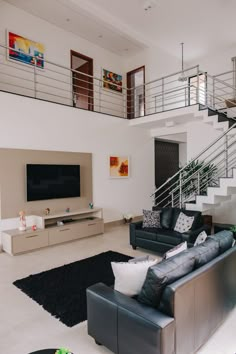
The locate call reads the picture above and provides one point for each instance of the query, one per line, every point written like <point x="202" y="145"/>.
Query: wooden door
<point x="136" y="93"/>
<point x="81" y="87"/>
<point x="82" y="81"/>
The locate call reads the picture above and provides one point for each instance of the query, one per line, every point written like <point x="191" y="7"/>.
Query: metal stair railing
<point x="215" y="161"/>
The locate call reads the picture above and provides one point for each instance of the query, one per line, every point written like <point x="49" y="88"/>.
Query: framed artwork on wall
<point x="112" y="81"/>
<point x="26" y="50"/>
<point x="119" y="166"/>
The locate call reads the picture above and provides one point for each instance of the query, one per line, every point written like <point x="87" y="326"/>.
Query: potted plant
<point x="233" y="229"/>
<point x="207" y="177"/>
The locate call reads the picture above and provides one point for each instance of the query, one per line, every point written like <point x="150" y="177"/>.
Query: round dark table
<point x="45" y="351"/>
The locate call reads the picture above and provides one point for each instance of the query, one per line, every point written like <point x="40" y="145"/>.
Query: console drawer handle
<point x="91" y="224"/>
<point x="31" y="236"/>
<point x="64" y="230"/>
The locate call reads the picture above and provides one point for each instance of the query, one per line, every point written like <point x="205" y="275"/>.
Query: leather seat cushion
<point x="162" y="274"/>
<point x="169" y="236"/>
<point x="224" y="239"/>
<point x="147" y="233"/>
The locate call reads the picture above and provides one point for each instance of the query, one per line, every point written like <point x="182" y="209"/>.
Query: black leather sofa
<point x="164" y="238"/>
<point x="191" y="308"/>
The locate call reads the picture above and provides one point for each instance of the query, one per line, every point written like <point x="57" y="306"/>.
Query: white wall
<point x="157" y="63"/>
<point x="218" y="62"/>
<point x="58" y="44"/>
<point x="32" y="124"/>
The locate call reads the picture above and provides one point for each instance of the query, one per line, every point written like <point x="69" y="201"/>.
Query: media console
<point x="76" y="224"/>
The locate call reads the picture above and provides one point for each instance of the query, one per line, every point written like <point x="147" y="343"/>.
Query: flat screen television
<point x="52" y="181"/>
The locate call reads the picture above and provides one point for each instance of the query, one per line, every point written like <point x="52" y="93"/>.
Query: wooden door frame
<point x="128" y="74"/>
<point x="90" y="60"/>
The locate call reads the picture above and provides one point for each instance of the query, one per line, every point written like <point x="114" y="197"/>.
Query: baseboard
<point x="120" y="222"/>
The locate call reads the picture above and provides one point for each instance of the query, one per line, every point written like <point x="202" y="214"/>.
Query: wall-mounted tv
<point x="52" y="181"/>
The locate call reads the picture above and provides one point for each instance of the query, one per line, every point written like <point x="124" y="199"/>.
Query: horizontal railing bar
<point x="22" y="87"/>
<point x="17" y="77"/>
<point x="225" y="73"/>
<point x="18" y="68"/>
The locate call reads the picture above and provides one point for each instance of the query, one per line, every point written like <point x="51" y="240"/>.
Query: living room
<point x="36" y="131"/>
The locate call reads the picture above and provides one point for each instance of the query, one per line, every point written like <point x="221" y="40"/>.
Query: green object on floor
<point x="63" y="351"/>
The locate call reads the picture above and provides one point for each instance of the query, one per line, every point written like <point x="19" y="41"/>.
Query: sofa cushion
<point x="176" y="250"/>
<point x="205" y="252"/>
<point x="147" y="233"/>
<point x="201" y="238"/>
<point x="151" y="218"/>
<point x="169" y="236"/>
<point x="224" y="239"/>
<point x="162" y="274"/>
<point x="183" y="223"/>
<point x="197" y="222"/>
<point x="166" y="218"/>
<point x="129" y="277"/>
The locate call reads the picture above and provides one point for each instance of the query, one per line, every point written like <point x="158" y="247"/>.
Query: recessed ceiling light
<point x="67" y="20"/>
<point x="149" y="4"/>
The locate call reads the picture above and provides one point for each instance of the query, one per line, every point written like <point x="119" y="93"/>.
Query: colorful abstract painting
<point x="112" y="81"/>
<point x="119" y="166"/>
<point x="26" y="50"/>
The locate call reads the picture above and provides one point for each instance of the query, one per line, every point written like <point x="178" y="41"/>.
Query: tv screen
<point x="52" y="181"/>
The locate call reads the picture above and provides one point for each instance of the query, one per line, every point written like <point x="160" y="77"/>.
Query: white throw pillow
<point x="201" y="238"/>
<point x="175" y="250"/>
<point x="130" y="277"/>
<point x="183" y="223"/>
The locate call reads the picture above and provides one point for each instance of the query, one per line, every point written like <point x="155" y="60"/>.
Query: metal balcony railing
<point x="61" y="84"/>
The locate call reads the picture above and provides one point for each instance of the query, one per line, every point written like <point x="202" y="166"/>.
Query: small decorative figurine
<point x="91" y="205"/>
<point x="128" y="218"/>
<point x="22" y="226"/>
<point x="34" y="227"/>
<point x="47" y="211"/>
<point x="67" y="210"/>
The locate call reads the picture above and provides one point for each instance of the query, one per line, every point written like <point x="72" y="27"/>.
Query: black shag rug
<point x="62" y="291"/>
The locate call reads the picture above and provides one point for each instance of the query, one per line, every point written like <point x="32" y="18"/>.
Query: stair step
<point x="212" y="199"/>
<point x="227" y="182"/>
<point x="201" y="207"/>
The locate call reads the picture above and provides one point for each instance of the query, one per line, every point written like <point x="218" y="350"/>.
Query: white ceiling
<point x="204" y="25"/>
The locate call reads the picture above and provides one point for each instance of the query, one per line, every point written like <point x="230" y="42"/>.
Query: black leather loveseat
<point x="164" y="238"/>
<point x="191" y="307"/>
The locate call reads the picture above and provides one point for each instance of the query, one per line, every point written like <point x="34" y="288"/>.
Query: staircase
<point x="210" y="178"/>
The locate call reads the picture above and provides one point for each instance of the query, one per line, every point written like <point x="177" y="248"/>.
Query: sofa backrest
<point x="169" y="217"/>
<point x="200" y="301"/>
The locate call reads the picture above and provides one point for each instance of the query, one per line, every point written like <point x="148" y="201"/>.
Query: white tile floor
<point x="26" y="327"/>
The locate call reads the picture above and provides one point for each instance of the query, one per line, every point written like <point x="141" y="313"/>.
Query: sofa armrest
<point x="191" y="235"/>
<point x="132" y="231"/>
<point x="127" y="325"/>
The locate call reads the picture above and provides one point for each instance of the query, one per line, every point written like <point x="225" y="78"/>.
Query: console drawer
<point x="95" y="228"/>
<point x="29" y="241"/>
<point x="61" y="234"/>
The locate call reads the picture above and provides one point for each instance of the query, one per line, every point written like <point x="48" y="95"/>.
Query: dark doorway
<point x="136" y="93"/>
<point x="166" y="165"/>
<point x="82" y="81"/>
